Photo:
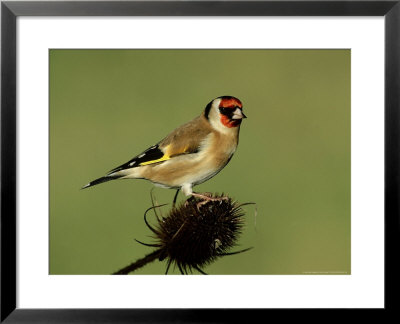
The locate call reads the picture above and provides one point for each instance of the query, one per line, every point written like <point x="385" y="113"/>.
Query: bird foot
<point x="206" y="197"/>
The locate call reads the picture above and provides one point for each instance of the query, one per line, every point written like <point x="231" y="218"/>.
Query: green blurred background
<point x="293" y="160"/>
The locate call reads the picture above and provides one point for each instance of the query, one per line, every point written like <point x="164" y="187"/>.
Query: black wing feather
<point x="98" y="181"/>
<point x="152" y="153"/>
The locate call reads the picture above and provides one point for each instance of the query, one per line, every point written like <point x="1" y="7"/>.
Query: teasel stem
<point x="139" y="263"/>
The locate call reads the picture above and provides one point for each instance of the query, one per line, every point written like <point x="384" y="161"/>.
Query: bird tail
<point x="98" y="181"/>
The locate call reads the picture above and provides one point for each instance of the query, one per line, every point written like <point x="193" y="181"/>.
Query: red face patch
<point x="230" y="102"/>
<point x="226" y="108"/>
<point x="226" y="121"/>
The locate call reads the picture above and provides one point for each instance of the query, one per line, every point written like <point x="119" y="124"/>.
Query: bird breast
<point x="214" y="153"/>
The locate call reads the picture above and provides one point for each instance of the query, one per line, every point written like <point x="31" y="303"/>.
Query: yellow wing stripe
<point x="164" y="158"/>
<point x="168" y="154"/>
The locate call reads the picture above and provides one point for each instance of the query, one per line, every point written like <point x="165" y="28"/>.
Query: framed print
<point x="308" y="201"/>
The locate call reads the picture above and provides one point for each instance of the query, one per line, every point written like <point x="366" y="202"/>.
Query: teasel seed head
<point x="192" y="237"/>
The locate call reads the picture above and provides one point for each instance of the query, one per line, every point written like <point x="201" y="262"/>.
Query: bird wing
<point x="185" y="139"/>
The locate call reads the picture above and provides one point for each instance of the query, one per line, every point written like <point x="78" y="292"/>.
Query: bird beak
<point x="238" y="114"/>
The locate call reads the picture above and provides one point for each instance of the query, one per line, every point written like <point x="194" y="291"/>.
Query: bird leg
<point x="206" y="197"/>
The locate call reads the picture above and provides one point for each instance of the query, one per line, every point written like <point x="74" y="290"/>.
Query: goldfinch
<point x="191" y="154"/>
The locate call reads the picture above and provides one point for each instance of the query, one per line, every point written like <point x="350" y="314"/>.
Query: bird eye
<point x="224" y="111"/>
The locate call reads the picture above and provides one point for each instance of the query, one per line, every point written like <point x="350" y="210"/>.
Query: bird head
<point x="225" y="112"/>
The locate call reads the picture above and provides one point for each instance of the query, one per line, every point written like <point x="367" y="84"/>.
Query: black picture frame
<point x="10" y="10"/>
